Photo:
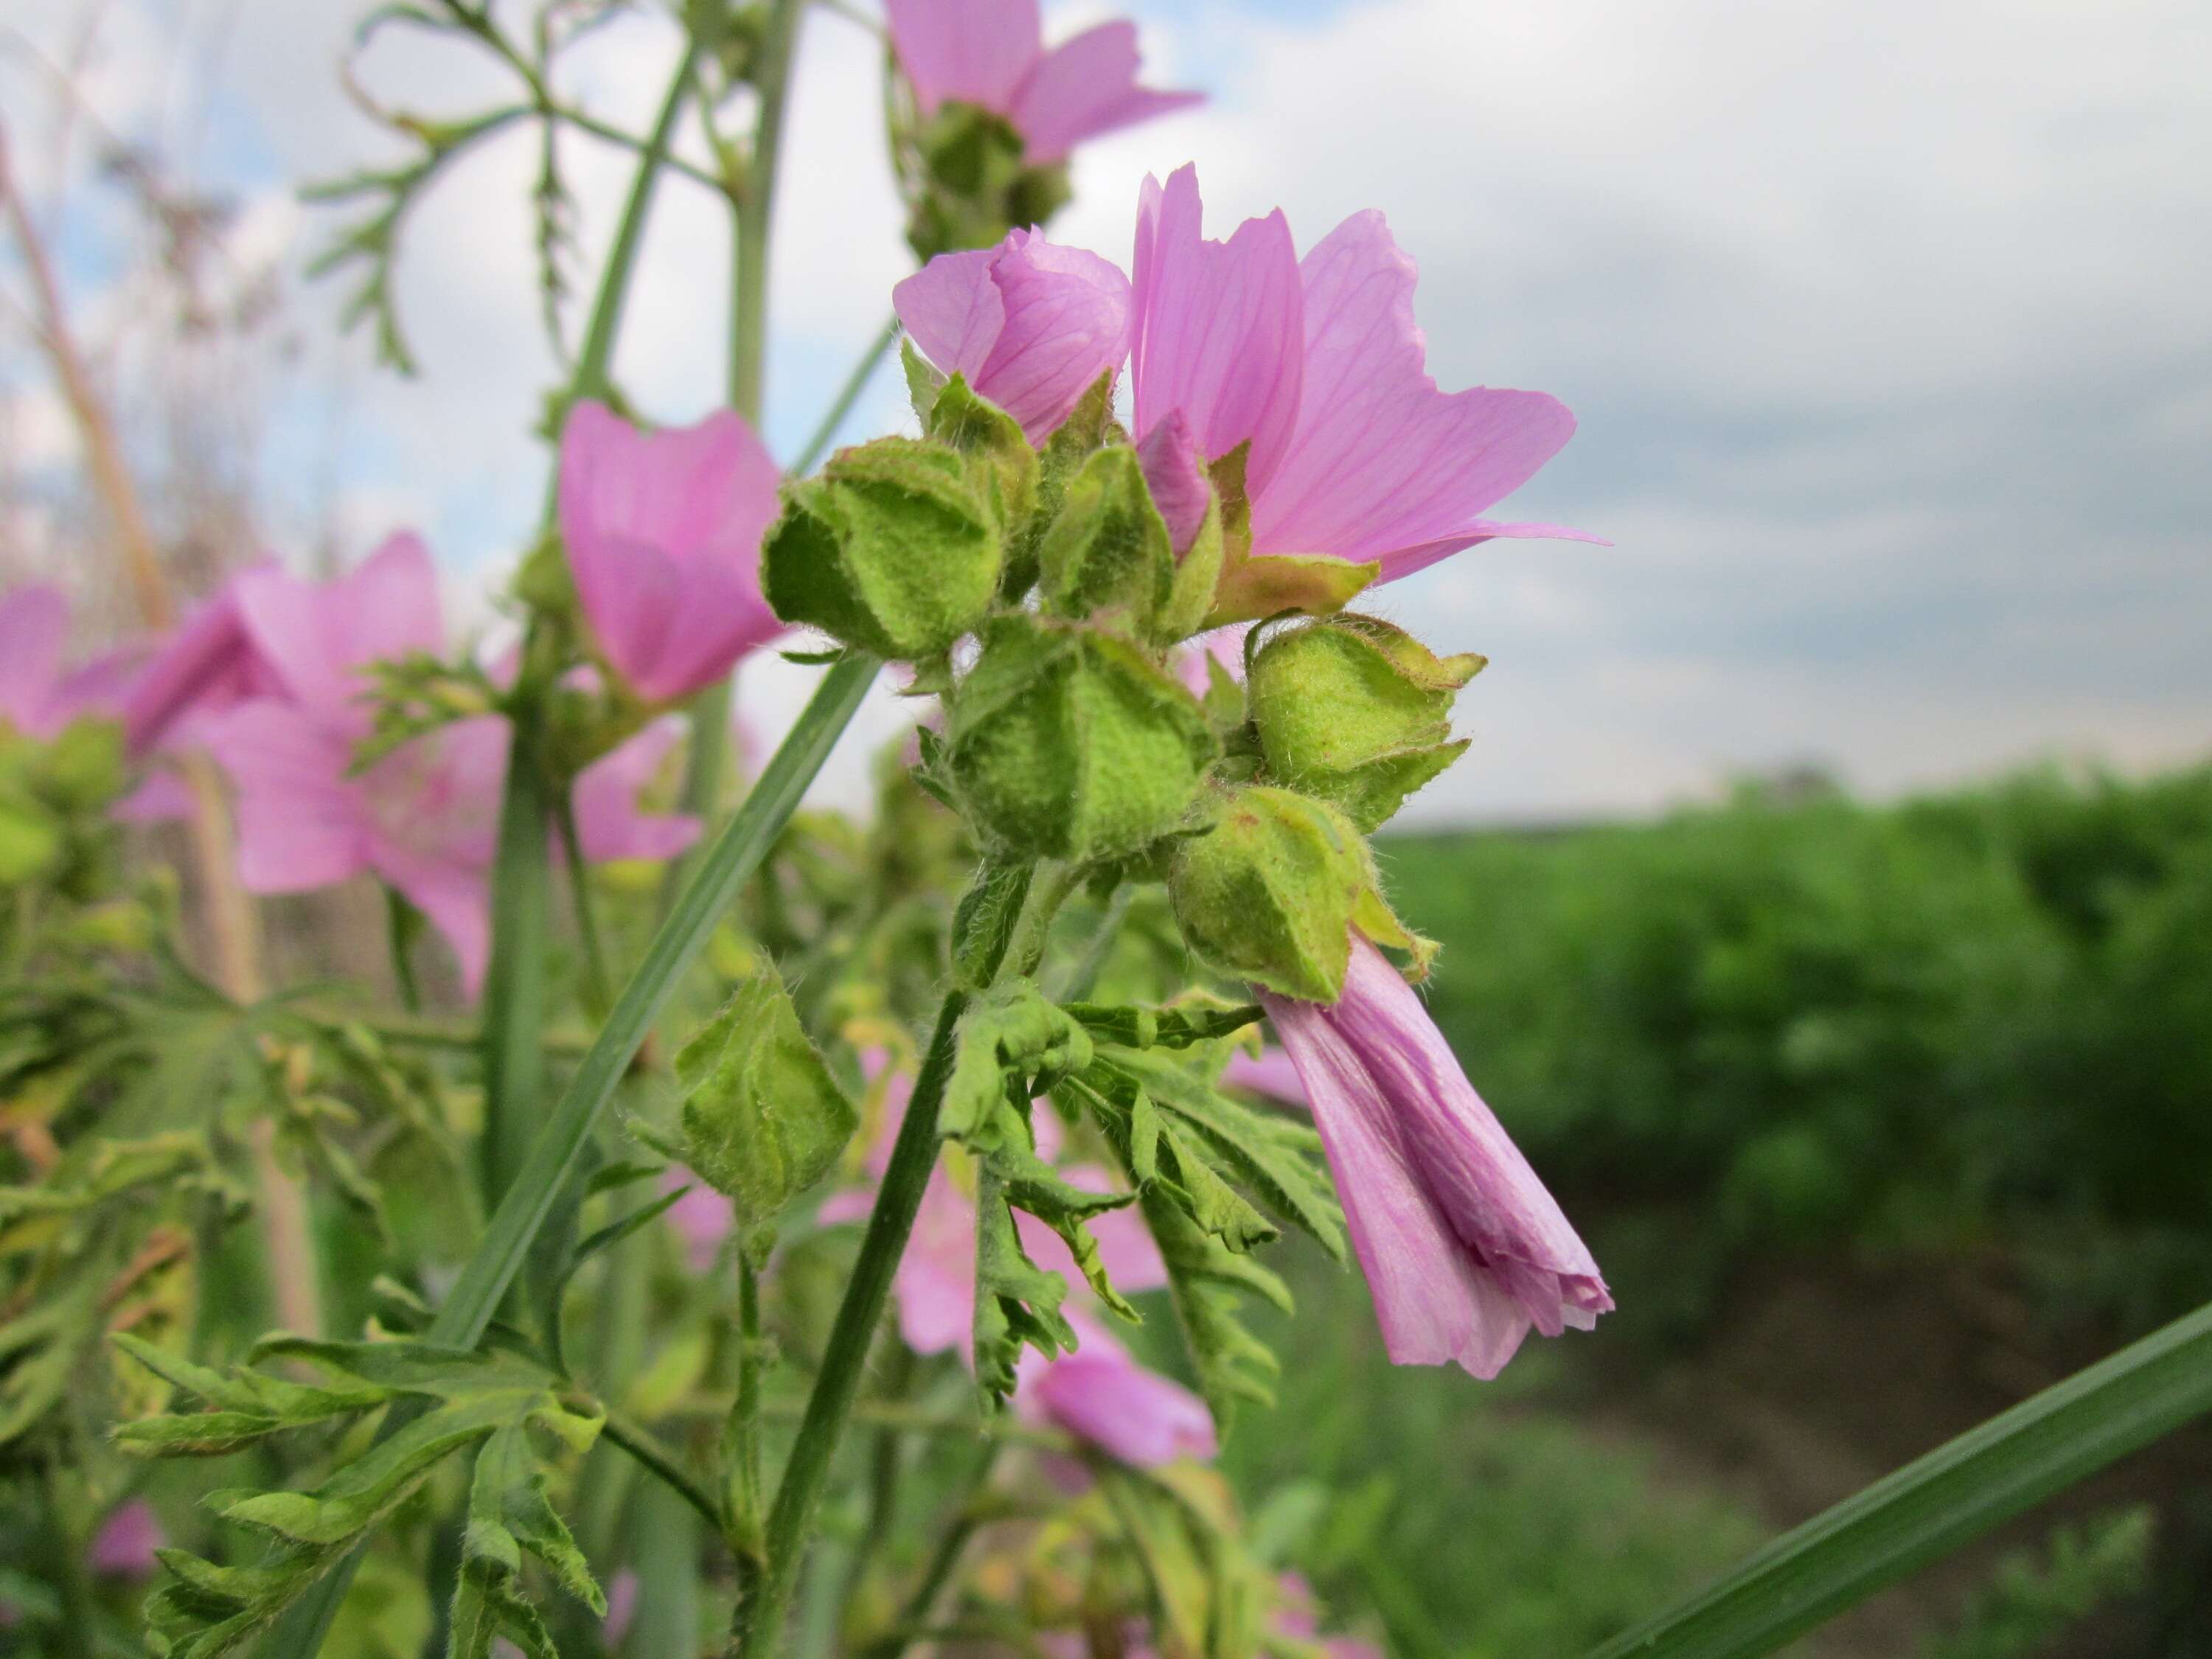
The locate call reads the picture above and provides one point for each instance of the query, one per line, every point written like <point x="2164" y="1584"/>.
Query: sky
<point x="1887" y="322"/>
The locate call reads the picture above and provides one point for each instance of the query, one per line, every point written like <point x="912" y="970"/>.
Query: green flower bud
<point x="1269" y="892"/>
<point x="892" y="549"/>
<point x="1069" y="743"/>
<point x="1357" y="712"/>
<point x="1107" y="548"/>
<point x="999" y="459"/>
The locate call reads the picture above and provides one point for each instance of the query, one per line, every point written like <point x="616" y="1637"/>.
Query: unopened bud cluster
<point x="1039" y="591"/>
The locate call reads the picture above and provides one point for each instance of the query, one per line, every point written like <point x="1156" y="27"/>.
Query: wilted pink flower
<point x="37" y="697"/>
<point x="1463" y="1247"/>
<point x="1320" y="366"/>
<point x="1030" y="325"/>
<point x="125" y="1545"/>
<point x="663" y="531"/>
<point x="990" y="53"/>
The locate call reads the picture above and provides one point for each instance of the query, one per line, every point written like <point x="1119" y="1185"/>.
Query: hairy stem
<point x="642" y="1444"/>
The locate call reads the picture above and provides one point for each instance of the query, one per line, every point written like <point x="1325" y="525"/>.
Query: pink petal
<point x="608" y="825"/>
<point x="208" y="664"/>
<point x="1031" y="326"/>
<point x="936" y="1279"/>
<point x="1084" y="88"/>
<point x="975" y="50"/>
<point x="1382" y="465"/>
<point x="663" y="531"/>
<point x="34" y="622"/>
<point x="1168" y="460"/>
<point x="1219" y="330"/>
<point x="453" y="893"/>
<point x="302" y="823"/>
<point x="320" y="636"/>
<point x="1137" y="1416"/>
<point x="99" y="687"/>
<point x="1270" y="1072"/>
<point x="702" y="1219"/>
<point x="163" y="798"/>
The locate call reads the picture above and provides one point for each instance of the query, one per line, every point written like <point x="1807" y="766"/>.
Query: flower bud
<point x="1269" y="893"/>
<point x="1107" y="550"/>
<point x="1070" y="744"/>
<point x="1000" y="460"/>
<point x="1356" y="712"/>
<point x="892" y="549"/>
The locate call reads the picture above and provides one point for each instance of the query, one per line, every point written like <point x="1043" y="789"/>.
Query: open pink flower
<point x="37" y="697"/>
<point x="1463" y="1247"/>
<point x="990" y="53"/>
<point x="320" y="638"/>
<point x="1030" y="325"/>
<point x="663" y="531"/>
<point x="1320" y="366"/>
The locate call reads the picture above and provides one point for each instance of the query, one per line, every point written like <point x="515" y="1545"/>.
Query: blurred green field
<point x="1879" y="1119"/>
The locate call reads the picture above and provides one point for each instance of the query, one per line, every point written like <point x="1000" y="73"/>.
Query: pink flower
<point x="1099" y="1393"/>
<point x="990" y="53"/>
<point x="1462" y="1247"/>
<point x="37" y="697"/>
<point x="1297" y="1616"/>
<point x="125" y="1545"/>
<point x="1270" y="1072"/>
<point x="621" y="1608"/>
<point x="1031" y="326"/>
<point x="702" y="1219"/>
<point x="319" y="638"/>
<point x="608" y="826"/>
<point x="207" y="664"/>
<point x="1319" y="365"/>
<point x="663" y="531"/>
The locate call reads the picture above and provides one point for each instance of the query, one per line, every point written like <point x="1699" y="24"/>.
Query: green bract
<point x="763" y="1118"/>
<point x="1357" y="712"/>
<point x="1000" y="460"/>
<point x="1269" y="892"/>
<point x="894" y="548"/>
<point x="1069" y="743"/>
<point x="1107" y="550"/>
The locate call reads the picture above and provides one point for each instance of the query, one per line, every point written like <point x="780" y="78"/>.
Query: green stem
<point x="401" y="921"/>
<point x="498" y="1255"/>
<point x="741" y="1436"/>
<point x="752" y="227"/>
<point x="914" y="1155"/>
<point x="847" y="395"/>
<point x="598" y="989"/>
<point x="514" y="998"/>
<point x="641" y="1444"/>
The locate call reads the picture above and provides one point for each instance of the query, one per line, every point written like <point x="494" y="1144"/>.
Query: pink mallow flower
<point x="125" y="1545"/>
<point x="663" y="531"/>
<point x="1463" y="1249"/>
<point x="1031" y="326"/>
<point x="990" y="53"/>
<point x="1319" y="365"/>
<point x="37" y="697"/>
<point x="424" y="818"/>
<point x="1099" y="1393"/>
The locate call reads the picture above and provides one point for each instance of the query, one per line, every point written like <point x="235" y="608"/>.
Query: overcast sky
<point x="1888" y="323"/>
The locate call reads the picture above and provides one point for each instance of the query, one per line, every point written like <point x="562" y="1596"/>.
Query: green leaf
<point x="923" y="382"/>
<point x="764" y="1120"/>
<point x="983" y="922"/>
<point x="1017" y="1301"/>
<point x="1013" y="1042"/>
<point x="1947" y="1499"/>
<point x="1207" y="1283"/>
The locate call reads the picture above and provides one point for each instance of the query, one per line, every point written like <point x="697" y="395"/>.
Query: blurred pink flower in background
<point x="1271" y="1073"/>
<point x="1462" y="1247"/>
<point x="1029" y="325"/>
<point x="37" y="697"/>
<point x="1320" y="366"/>
<point x="663" y="531"/>
<point x="423" y="819"/>
<point x="125" y="1545"/>
<point x="990" y="53"/>
<point x="1099" y="1393"/>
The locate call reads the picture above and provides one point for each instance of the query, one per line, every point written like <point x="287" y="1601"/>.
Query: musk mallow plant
<point x="932" y="1214"/>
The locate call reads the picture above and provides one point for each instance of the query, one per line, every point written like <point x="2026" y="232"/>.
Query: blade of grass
<point x="1941" y="1502"/>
